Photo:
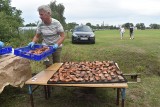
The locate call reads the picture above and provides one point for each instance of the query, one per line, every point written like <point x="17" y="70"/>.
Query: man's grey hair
<point x="45" y="8"/>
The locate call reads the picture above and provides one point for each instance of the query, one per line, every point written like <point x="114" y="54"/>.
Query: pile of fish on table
<point x="88" y="72"/>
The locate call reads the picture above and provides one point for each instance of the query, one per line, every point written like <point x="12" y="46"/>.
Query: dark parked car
<point x="83" y="34"/>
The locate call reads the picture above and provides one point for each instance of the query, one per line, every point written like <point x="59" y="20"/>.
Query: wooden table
<point x="42" y="78"/>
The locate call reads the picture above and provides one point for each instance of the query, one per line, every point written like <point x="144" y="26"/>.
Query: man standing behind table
<point x="1" y="44"/>
<point x="52" y="33"/>
<point x="131" y="29"/>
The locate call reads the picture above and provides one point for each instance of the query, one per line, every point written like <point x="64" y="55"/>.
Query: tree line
<point x="140" y="26"/>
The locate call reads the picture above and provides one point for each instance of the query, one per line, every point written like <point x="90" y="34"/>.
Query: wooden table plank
<point x="102" y="85"/>
<point x="42" y="77"/>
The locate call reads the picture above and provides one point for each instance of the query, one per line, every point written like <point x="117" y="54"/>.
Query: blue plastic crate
<point x="24" y="52"/>
<point x="6" y="50"/>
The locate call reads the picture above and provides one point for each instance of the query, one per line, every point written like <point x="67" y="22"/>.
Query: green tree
<point x="70" y="26"/>
<point x="154" y="26"/>
<point x="89" y="24"/>
<point x="10" y="20"/>
<point x="127" y="25"/>
<point x="31" y="24"/>
<point x="140" y="26"/>
<point x="57" y="12"/>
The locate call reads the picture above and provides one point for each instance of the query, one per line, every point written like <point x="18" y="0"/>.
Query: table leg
<point x="47" y="91"/>
<point x="31" y="95"/>
<point x="123" y="93"/>
<point x="117" y="99"/>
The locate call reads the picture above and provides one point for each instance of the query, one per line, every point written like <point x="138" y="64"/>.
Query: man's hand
<point x="1" y="44"/>
<point x="31" y="44"/>
<point x="55" y="46"/>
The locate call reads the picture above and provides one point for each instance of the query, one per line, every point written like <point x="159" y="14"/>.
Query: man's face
<point x="44" y="16"/>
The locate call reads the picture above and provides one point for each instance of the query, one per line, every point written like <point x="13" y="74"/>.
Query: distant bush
<point x="21" y="39"/>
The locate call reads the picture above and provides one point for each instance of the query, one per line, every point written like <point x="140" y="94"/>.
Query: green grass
<point x="140" y="55"/>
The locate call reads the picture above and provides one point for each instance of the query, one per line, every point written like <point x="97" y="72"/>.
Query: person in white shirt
<point x="122" y="30"/>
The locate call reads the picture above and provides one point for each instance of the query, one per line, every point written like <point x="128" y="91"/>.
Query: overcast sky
<point x="111" y="12"/>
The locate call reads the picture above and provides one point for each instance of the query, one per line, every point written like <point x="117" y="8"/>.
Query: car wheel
<point x="93" y="42"/>
<point x="73" y="40"/>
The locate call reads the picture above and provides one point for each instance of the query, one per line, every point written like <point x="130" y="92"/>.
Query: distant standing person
<point x="122" y="30"/>
<point x="131" y="29"/>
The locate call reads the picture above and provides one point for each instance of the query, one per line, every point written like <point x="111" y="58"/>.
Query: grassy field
<point x="141" y="55"/>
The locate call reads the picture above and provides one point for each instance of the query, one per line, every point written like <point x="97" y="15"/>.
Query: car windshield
<point x="83" y="29"/>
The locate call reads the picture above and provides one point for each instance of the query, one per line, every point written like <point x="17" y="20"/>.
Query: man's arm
<point x="60" y="41"/>
<point x="36" y="38"/>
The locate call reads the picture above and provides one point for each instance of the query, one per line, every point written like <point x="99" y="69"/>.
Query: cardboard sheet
<point x="14" y="71"/>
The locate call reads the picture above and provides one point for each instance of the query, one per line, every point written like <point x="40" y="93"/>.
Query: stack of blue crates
<point x="6" y="50"/>
<point x="24" y="52"/>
